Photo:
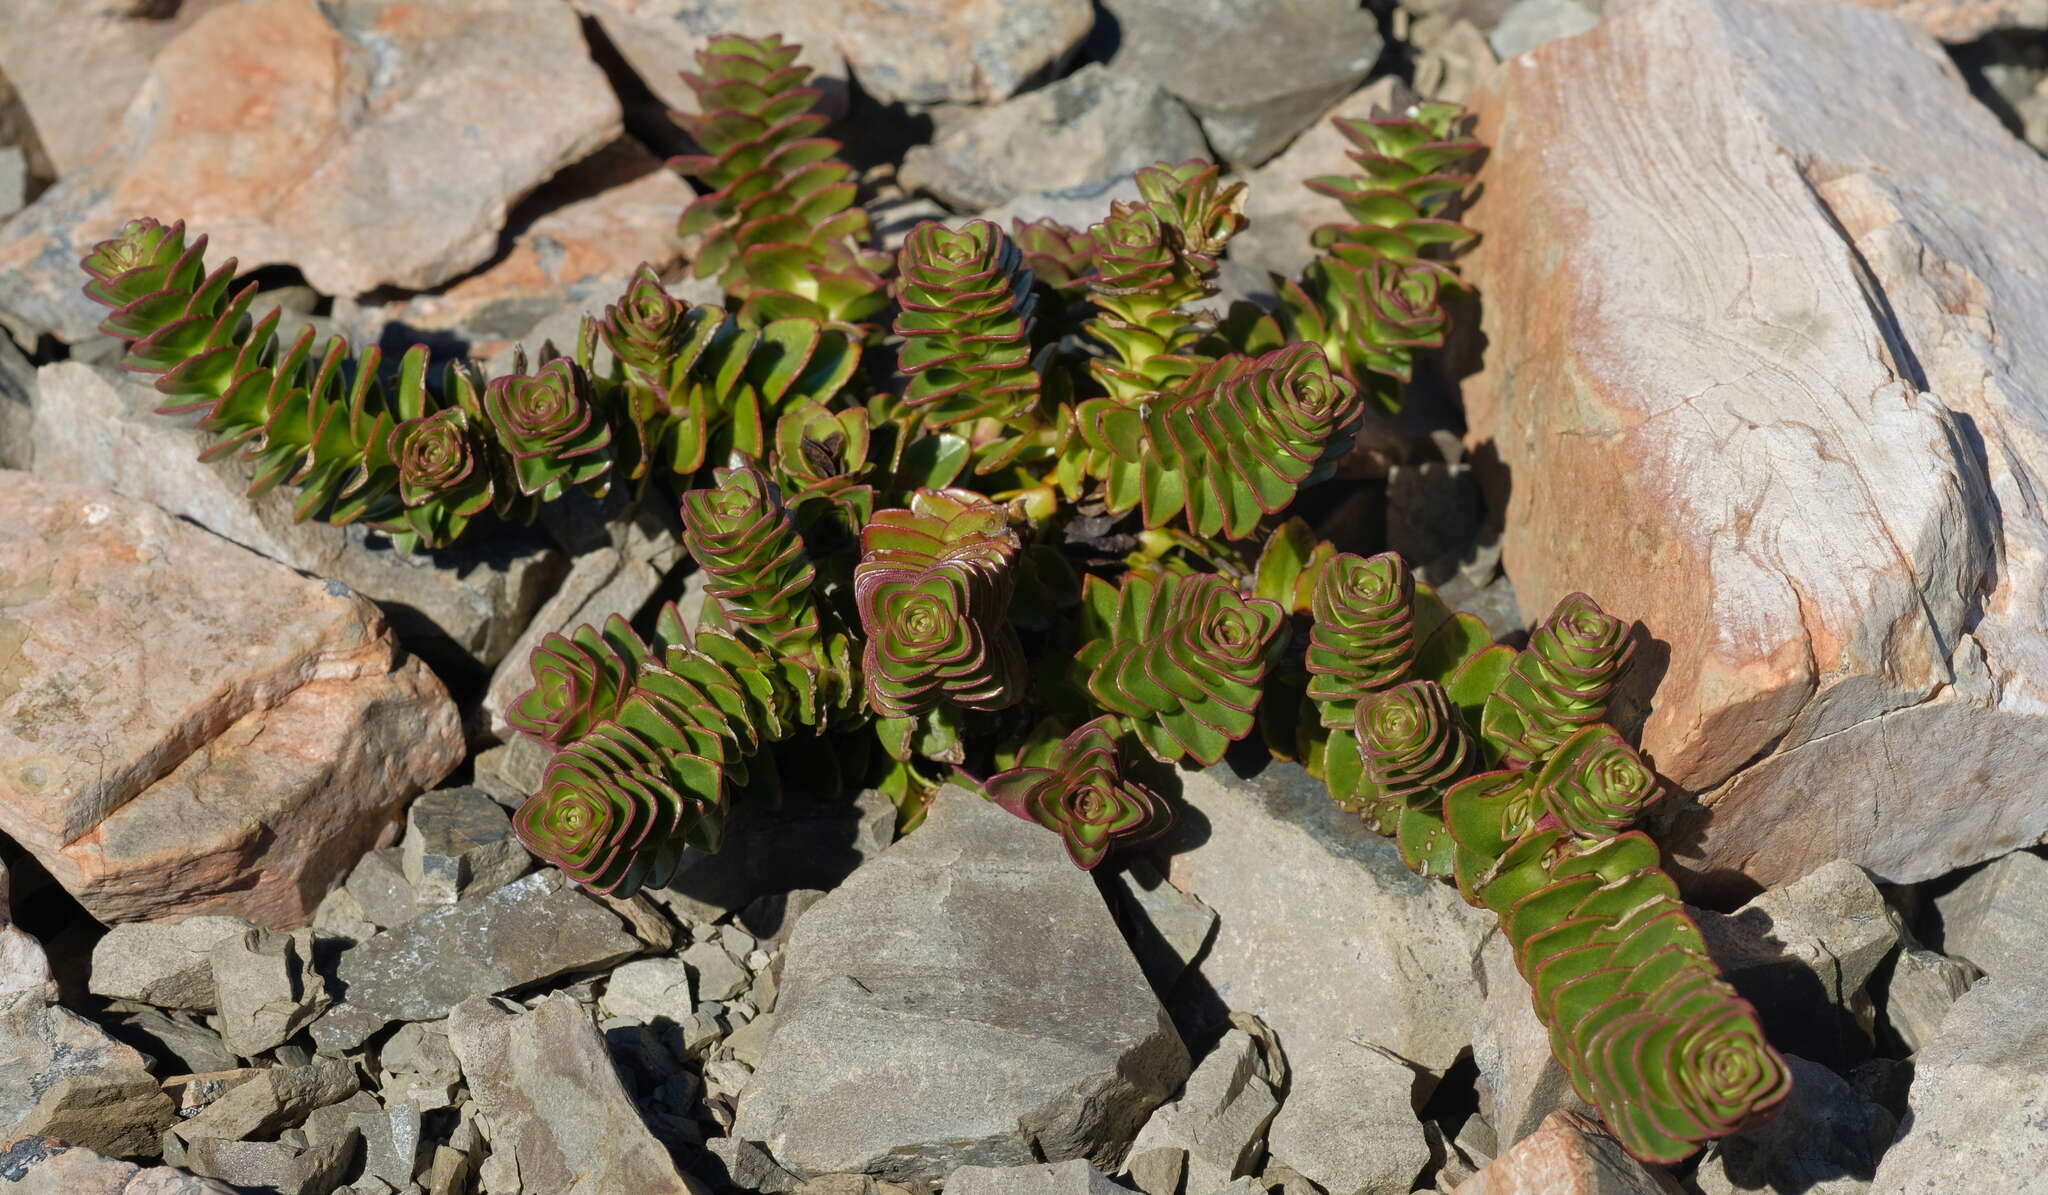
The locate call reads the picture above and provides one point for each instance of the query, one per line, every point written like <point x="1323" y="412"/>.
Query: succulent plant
<point x="741" y="535"/>
<point x="443" y="478"/>
<point x="579" y="680"/>
<point x="1060" y="257"/>
<point x="1411" y="741"/>
<point x="1362" y="639"/>
<point x="549" y="428"/>
<point x="1595" y="784"/>
<point x="966" y="301"/>
<point x="615" y="815"/>
<point x="1180" y="658"/>
<point x="1560" y="683"/>
<point x="1080" y="792"/>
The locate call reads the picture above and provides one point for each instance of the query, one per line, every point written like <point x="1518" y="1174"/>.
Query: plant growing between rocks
<point x="1051" y="558"/>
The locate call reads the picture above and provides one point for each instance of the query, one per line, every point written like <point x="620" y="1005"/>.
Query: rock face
<point x="41" y="1166"/>
<point x="962" y="999"/>
<point x="1254" y="72"/>
<point x="1349" y="1122"/>
<point x="1977" y="1096"/>
<point x="1966" y="20"/>
<point x="1824" y="1141"/>
<point x="973" y="51"/>
<point x="1806" y="391"/>
<point x="1219" y="1119"/>
<point x="457" y="841"/>
<point x="68" y="1076"/>
<point x="1993" y="917"/>
<point x="1360" y="948"/>
<point x="290" y="130"/>
<point x="168" y="965"/>
<point x="186" y="727"/>
<point x="659" y="39"/>
<point x="1568" y="1155"/>
<point x="1520" y="1080"/>
<point x="550" y="1098"/>
<point x="1094" y="124"/>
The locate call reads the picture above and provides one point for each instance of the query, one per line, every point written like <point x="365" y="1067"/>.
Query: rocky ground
<point x="1771" y="271"/>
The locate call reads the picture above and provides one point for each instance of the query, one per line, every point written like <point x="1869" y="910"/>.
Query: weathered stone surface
<point x="550" y="1098"/>
<point x="360" y="103"/>
<point x="17" y="407"/>
<point x="1454" y="64"/>
<point x="659" y="39"/>
<point x="160" y="963"/>
<point x="1818" y="448"/>
<point x="803" y="844"/>
<point x="1358" y="930"/>
<point x="962" y="999"/>
<point x="745" y="1165"/>
<point x="1568" y="1155"/>
<point x="25" y="977"/>
<point x="1220" y="1117"/>
<point x="265" y="988"/>
<point x="599" y="221"/>
<point x="715" y="973"/>
<point x="1074" y="1177"/>
<point x="121" y="1112"/>
<point x="1158" y="1171"/>
<point x="1166" y="927"/>
<point x="177" y="1041"/>
<point x="1994" y="917"/>
<point x="1349" y="1123"/>
<point x="1966" y="20"/>
<point x="61" y="1067"/>
<point x="1826" y="1140"/>
<point x="275" y="1166"/>
<point x="13" y="180"/>
<point x="75" y="66"/>
<point x="40" y="1166"/>
<point x="1977" y="1096"/>
<point x="1254" y="73"/>
<point x="250" y="730"/>
<point x="1094" y="124"/>
<point x="272" y="1099"/>
<point x="458" y="841"/>
<point x="104" y="431"/>
<point x="1531" y="23"/>
<point x="976" y="51"/>
<point x="1924" y="985"/>
<point x="532" y="929"/>
<point x="380" y="888"/>
<point x="1520" y="1081"/>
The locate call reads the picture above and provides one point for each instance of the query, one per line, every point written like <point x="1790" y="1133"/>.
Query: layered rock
<point x="187" y="727"/>
<point x="1761" y="358"/>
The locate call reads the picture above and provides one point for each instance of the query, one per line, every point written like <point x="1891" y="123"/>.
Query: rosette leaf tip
<point x="1412" y="742"/>
<point x="1080" y="791"/>
<point x="549" y="428"/>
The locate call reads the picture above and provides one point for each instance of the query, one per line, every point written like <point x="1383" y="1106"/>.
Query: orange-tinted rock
<point x="1763" y="355"/>
<point x="1567" y="1155"/>
<point x="187" y="727"/>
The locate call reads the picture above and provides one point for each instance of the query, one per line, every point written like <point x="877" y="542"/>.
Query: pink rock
<point x="186" y="727"/>
<point x="1763" y="358"/>
<point x="1567" y="1155"/>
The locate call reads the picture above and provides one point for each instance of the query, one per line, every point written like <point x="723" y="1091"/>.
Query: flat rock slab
<point x="1359" y="947"/>
<point x="962" y="999"/>
<point x="531" y="929"/>
<point x="1795" y="339"/>
<point x="41" y="1166"/>
<point x="186" y="727"/>
<point x="1568" y="1155"/>
<point x="549" y="1097"/>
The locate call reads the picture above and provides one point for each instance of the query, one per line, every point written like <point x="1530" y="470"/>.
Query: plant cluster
<point x="1049" y="561"/>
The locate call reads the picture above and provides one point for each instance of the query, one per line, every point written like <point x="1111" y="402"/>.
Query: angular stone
<point x="1219" y="1119"/>
<point x="715" y="974"/>
<point x="464" y="606"/>
<point x="1568" y="1155"/>
<point x="648" y="988"/>
<point x="1074" y="1177"/>
<point x="1520" y="1080"/>
<point x="25" y="977"/>
<point x="273" y="1099"/>
<point x="1977" y="1095"/>
<point x="1924" y="985"/>
<point x="274" y="1166"/>
<point x="1358" y="930"/>
<point x="17" y="408"/>
<point x="1826" y="1140"/>
<point x="165" y="964"/>
<point x="1166" y="927"/>
<point x="1452" y="68"/>
<point x="1993" y="917"/>
<point x="1094" y="124"/>
<point x="659" y="39"/>
<point x="971" y="51"/>
<point x="265" y="988"/>
<point x="458" y="841"/>
<point x="1967" y="20"/>
<point x="251" y="729"/>
<point x="802" y="844"/>
<point x="366" y="98"/>
<point x="1254" y="73"/>
<point x="40" y="1166"/>
<point x="176" y="1041"/>
<point x="1862" y="656"/>
<point x="1531" y="23"/>
<point x="550" y="1098"/>
<point x="927" y="1020"/>
<point x="45" y="1044"/>
<point x="381" y="890"/>
<point x="1158" y="1171"/>
<point x="532" y="929"/>
<point x="121" y="1112"/>
<point x="1349" y="1122"/>
<point x="745" y="1165"/>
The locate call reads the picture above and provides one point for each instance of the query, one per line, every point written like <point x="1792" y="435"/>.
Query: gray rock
<point x="744" y="1164"/>
<point x="165" y="964"/>
<point x="273" y="1099"/>
<point x="802" y="844"/>
<point x="1520" y="1081"/>
<point x="1434" y="516"/>
<point x="1531" y="23"/>
<point x="1255" y="73"/>
<point x="649" y="988"/>
<point x="1166" y="927"/>
<point x="381" y="890"/>
<point x="41" y="1166"/>
<point x="1281" y="209"/>
<point x="17" y="407"/>
<point x="1994" y="917"/>
<point x="265" y="988"/>
<point x="1924" y="985"/>
<point x="1077" y="207"/>
<point x="340" y="915"/>
<point x="1073" y="1177"/>
<point x="1219" y="1118"/>
<point x="1455" y="64"/>
<point x="469" y="604"/>
<point x="178" y="1042"/>
<point x="273" y="1166"/>
<point x="1094" y="124"/>
<point x="1826" y="1140"/>
<point x="25" y="977"/>
<point x="771" y="919"/>
<point x="391" y="1141"/>
<point x="962" y="999"/>
<point x="1157" y="1171"/>
<point x="510" y="771"/>
<point x="1358" y="931"/>
<point x="549" y="1096"/>
<point x="935" y="51"/>
<point x="534" y="928"/>
<point x="1349" y="1123"/>
<point x="1976" y="1100"/>
<point x="715" y="974"/>
<point x="659" y="39"/>
<point x="13" y="180"/>
<point x="121" y="1112"/>
<point x="459" y="842"/>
